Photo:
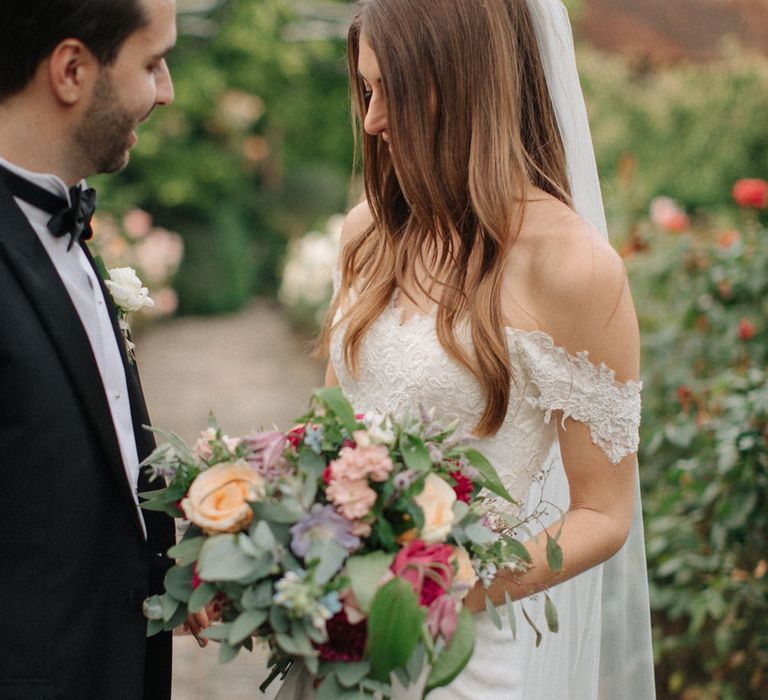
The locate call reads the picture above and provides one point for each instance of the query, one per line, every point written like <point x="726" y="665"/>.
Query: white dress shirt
<point x="83" y="287"/>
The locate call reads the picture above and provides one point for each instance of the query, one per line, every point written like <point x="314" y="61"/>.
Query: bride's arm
<point x="590" y="311"/>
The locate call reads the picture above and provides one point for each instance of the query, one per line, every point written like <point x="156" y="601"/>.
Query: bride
<point x="476" y="278"/>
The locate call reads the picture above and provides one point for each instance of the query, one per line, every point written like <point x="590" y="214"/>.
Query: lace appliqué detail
<point x="584" y="392"/>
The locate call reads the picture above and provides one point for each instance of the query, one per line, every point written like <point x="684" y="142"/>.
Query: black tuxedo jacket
<point x="74" y="564"/>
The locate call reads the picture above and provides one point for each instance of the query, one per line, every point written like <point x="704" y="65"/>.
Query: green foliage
<point x="687" y="131"/>
<point x="703" y="303"/>
<point x="254" y="150"/>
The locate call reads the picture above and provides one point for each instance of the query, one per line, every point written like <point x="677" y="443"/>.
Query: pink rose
<point x="360" y="462"/>
<point x="667" y="214"/>
<point x="353" y="499"/>
<point x="202" y="449"/>
<point x="427" y="567"/>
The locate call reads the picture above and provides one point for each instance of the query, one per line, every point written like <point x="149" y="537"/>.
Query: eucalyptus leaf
<point x="153" y="607"/>
<point x="479" y="534"/>
<point x="221" y="559"/>
<point x="455" y="656"/>
<point x="350" y="674"/>
<point x="170" y="605"/>
<point x="246" y="624"/>
<point x="186" y="551"/>
<point x="415" y="664"/>
<point x="365" y="572"/>
<point x="511" y="615"/>
<point x="492" y="613"/>
<point x="550" y="612"/>
<point x="394" y="627"/>
<point x="330" y="556"/>
<point x="279" y="620"/>
<point x="311" y="463"/>
<point x="178" y="582"/>
<point x="154" y="627"/>
<point x="288" y="511"/>
<point x="180" y="447"/>
<point x="298" y="646"/>
<point x="263" y="537"/>
<point x="329" y="689"/>
<point x="201" y="596"/>
<point x="258" y="596"/>
<point x="218" y="632"/>
<point x="554" y="554"/>
<point x="227" y="653"/>
<point x="518" y="550"/>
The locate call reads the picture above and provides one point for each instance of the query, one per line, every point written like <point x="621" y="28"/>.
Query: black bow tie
<point x="74" y="219"/>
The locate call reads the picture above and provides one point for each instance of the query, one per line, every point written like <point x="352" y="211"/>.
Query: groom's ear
<point x="72" y="70"/>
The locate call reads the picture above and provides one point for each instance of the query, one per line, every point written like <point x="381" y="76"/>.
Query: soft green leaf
<point x="394" y="627"/>
<point x="311" y="463"/>
<point x="511" y="615"/>
<point x="218" y="632"/>
<point x="178" y="582"/>
<point x="180" y="447"/>
<point x="415" y="454"/>
<point x="246" y="624"/>
<point x="186" y="551"/>
<point x="288" y="512"/>
<point x="298" y="646"/>
<point x="259" y="596"/>
<point x="492" y="613"/>
<point x="350" y="674"/>
<point x="227" y="653"/>
<point x="201" y="596"/>
<point x="455" y="656"/>
<point x="480" y="534"/>
<point x="517" y="549"/>
<point x="554" y="554"/>
<point x="221" y="559"/>
<point x="154" y="627"/>
<point x="550" y="612"/>
<point x="153" y="607"/>
<point x="170" y="606"/>
<point x="334" y="399"/>
<point x="279" y="620"/>
<point x="330" y="556"/>
<point x="490" y="477"/>
<point x="365" y="573"/>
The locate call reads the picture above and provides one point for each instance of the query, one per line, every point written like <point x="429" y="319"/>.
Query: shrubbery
<point x="703" y="303"/>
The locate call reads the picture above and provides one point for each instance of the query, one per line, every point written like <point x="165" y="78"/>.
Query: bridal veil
<point x="616" y="592"/>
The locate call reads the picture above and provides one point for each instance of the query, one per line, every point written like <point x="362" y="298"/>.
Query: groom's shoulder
<point x="356" y="222"/>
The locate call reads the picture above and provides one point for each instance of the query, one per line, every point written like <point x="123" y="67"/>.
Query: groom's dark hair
<point x="31" y="29"/>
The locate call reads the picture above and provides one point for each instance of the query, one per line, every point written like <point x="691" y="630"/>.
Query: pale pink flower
<point x="361" y="528"/>
<point x="667" y="214"/>
<point x="442" y="618"/>
<point x="362" y="461"/>
<point x="137" y="223"/>
<point x="202" y="448"/>
<point x="353" y="499"/>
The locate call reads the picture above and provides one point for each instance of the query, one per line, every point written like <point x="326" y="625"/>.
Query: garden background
<point x="233" y="195"/>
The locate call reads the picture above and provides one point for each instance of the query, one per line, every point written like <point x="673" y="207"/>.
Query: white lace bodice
<point x="403" y="367"/>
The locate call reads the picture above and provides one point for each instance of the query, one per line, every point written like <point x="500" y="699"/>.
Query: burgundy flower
<point x="427" y="567"/>
<point x="463" y="487"/>
<point x="346" y="642"/>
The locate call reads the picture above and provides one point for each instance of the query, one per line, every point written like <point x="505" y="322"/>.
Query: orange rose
<point x="218" y="499"/>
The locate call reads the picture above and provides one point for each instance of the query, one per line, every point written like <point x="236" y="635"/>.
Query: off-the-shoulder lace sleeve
<point x="584" y="392"/>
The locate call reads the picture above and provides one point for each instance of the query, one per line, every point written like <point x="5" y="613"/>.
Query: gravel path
<point x="252" y="371"/>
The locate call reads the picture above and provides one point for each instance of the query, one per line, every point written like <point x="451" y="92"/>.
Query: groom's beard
<point x="104" y="135"/>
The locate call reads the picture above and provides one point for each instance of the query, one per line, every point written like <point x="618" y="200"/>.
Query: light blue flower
<point x="313" y="438"/>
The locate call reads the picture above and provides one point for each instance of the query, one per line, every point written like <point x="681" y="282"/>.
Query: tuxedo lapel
<point x="145" y="442"/>
<point x="37" y="276"/>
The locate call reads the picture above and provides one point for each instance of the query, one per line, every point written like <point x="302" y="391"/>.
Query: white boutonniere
<point x="128" y="295"/>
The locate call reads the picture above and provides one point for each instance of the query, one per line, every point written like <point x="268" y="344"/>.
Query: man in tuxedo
<point x="77" y="556"/>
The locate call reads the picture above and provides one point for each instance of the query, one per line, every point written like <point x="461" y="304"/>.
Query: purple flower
<point x="265" y="453"/>
<point x="322" y="523"/>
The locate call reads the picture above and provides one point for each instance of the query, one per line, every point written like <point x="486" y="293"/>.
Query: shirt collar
<point x="51" y="183"/>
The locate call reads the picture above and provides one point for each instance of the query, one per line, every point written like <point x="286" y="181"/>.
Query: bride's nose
<point x="376" y="117"/>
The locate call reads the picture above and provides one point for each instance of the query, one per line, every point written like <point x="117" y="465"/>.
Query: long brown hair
<point x="471" y="124"/>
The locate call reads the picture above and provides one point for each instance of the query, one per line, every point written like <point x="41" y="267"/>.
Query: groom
<point x="77" y="556"/>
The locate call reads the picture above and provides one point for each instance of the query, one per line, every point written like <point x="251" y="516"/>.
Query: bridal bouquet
<point x="348" y="544"/>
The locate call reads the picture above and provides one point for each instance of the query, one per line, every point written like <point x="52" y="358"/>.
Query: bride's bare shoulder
<point x="577" y="284"/>
<point x="358" y="219"/>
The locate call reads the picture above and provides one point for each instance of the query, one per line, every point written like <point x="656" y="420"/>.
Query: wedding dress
<point x="403" y="366"/>
<point x="603" y="650"/>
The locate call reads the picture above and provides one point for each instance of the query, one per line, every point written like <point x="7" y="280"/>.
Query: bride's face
<point x="375" y="122"/>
